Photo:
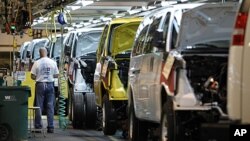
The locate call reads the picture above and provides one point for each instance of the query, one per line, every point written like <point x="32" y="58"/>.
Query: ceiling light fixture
<point x="85" y="3"/>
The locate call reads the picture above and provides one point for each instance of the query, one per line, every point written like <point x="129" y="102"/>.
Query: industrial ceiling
<point x="40" y="14"/>
<point x="85" y="12"/>
<point x="37" y="13"/>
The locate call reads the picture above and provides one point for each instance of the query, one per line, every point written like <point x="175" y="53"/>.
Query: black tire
<point x="138" y="130"/>
<point x="109" y="124"/>
<point x="91" y="110"/>
<point x="5" y="132"/>
<point x="56" y="102"/>
<point x="168" y="122"/>
<point x="99" y="119"/>
<point x="70" y="103"/>
<point x="78" y="112"/>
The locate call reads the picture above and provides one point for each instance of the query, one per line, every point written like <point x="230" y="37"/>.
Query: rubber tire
<point x="70" y="108"/>
<point x="91" y="110"/>
<point x="78" y="112"/>
<point x="5" y="132"/>
<point x="109" y="125"/>
<point x="168" y="116"/>
<point x="139" y="129"/>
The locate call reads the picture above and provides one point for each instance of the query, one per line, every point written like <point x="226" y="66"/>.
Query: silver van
<point x="178" y="70"/>
<point x="80" y="57"/>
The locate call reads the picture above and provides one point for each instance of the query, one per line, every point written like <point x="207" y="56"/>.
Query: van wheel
<point x="108" y="117"/>
<point x="138" y="130"/>
<point x="5" y="132"/>
<point x="78" y="110"/>
<point x="70" y="108"/>
<point x="91" y="110"/>
<point x="168" y="130"/>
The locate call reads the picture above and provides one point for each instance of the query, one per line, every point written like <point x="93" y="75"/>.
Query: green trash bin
<point x="1" y="81"/>
<point x="14" y="113"/>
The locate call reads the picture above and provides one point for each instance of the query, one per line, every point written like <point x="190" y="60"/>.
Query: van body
<point x="111" y="74"/>
<point x="178" y="70"/>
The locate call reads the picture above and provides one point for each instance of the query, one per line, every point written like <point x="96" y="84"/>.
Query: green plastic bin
<point x="1" y="81"/>
<point x="14" y="113"/>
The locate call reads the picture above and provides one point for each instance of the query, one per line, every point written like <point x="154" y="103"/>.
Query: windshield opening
<point x="57" y="48"/>
<point x="37" y="46"/>
<point x="87" y="44"/>
<point x="111" y="36"/>
<point x="24" y="53"/>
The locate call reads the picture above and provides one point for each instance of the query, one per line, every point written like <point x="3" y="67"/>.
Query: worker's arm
<point x="33" y="71"/>
<point x="33" y="76"/>
<point x="55" y="75"/>
<point x="56" y="72"/>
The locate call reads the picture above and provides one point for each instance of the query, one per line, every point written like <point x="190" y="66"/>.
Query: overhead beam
<point x="119" y="3"/>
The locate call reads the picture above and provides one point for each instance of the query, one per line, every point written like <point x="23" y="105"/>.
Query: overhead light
<point x="79" y="4"/>
<point x="144" y="8"/>
<point x="119" y="16"/>
<point x="40" y="21"/>
<point x="134" y="11"/>
<point x="78" y="25"/>
<point x="85" y="3"/>
<point x="34" y="23"/>
<point x="86" y="23"/>
<point x="45" y="18"/>
<point x="69" y="28"/>
<point x="72" y="7"/>
<point x="104" y="19"/>
<point x="96" y="21"/>
<point x="166" y="3"/>
<point x="116" y="15"/>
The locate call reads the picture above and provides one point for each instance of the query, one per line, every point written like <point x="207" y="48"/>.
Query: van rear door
<point x="206" y="23"/>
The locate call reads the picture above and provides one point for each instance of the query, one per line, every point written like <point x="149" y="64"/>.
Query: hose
<point x="51" y="18"/>
<point x="62" y="112"/>
<point x="62" y="83"/>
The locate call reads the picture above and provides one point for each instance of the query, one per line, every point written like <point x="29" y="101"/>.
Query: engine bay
<point x="207" y="76"/>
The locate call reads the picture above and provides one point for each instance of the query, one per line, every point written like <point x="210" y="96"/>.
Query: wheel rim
<point x="103" y="116"/>
<point x="164" y="127"/>
<point x="131" y="124"/>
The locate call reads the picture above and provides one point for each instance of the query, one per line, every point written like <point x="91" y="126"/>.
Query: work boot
<point x="50" y="130"/>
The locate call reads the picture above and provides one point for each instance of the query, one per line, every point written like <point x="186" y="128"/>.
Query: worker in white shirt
<point x="43" y="72"/>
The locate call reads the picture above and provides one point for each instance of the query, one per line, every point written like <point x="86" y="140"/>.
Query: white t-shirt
<point x="44" y="69"/>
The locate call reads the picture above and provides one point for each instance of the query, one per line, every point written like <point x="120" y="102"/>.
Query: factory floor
<point x="71" y="134"/>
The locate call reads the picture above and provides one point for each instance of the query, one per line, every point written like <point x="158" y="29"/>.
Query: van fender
<point x="130" y="94"/>
<point x="80" y="83"/>
<point x="166" y="88"/>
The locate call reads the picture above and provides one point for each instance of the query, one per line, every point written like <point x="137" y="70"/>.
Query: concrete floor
<point x="71" y="134"/>
<point x="75" y="135"/>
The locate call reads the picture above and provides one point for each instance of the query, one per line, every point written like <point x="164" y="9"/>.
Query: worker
<point x="43" y="72"/>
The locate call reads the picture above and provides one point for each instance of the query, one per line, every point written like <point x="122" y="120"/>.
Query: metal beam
<point x="119" y="3"/>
